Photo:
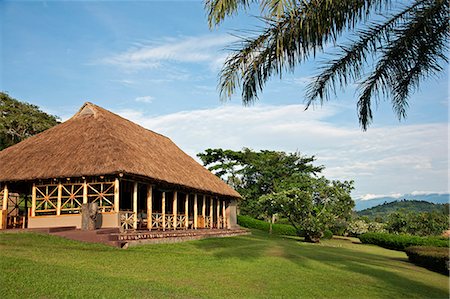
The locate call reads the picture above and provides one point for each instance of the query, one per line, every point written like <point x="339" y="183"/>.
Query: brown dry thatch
<point x="98" y="142"/>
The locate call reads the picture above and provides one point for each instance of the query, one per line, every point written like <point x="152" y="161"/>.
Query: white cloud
<point x="145" y="99"/>
<point x="374" y="196"/>
<point x="384" y="160"/>
<point x="202" y="49"/>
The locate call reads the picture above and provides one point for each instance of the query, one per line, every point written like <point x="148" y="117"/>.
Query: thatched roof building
<point x="97" y="146"/>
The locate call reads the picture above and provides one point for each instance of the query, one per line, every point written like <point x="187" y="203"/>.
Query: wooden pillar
<point x="211" y="216"/>
<point x="33" y="200"/>
<point x="224" y="215"/>
<point x="195" y="212"/>
<point x="85" y="192"/>
<point x="58" y="203"/>
<point x="218" y="212"/>
<point x="5" y="197"/>
<point x="149" y="206"/>
<point x="163" y="210"/>
<point x="116" y="195"/>
<point x="204" y="206"/>
<point x="175" y="209"/>
<point x="135" y="199"/>
<point x="186" y="211"/>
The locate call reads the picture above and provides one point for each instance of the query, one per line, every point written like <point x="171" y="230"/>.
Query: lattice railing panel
<point x="71" y="198"/>
<point x="46" y="199"/>
<point x="207" y="221"/>
<point x="169" y="221"/>
<point x="157" y="220"/>
<point x="181" y="221"/>
<point x="126" y="220"/>
<point x="220" y="222"/>
<point x="103" y="194"/>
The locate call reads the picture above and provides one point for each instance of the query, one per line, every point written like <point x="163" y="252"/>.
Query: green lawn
<point x="259" y="265"/>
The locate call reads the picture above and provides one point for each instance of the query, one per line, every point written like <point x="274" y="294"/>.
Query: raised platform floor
<point x="113" y="237"/>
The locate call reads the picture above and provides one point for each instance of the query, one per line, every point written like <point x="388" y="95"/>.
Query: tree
<point x="312" y="206"/>
<point x="388" y="56"/>
<point x="254" y="174"/>
<point x="19" y="120"/>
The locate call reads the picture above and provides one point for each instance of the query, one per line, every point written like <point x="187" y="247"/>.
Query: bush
<point x="432" y="258"/>
<point x="277" y="229"/>
<point x="327" y="234"/>
<point x="401" y="242"/>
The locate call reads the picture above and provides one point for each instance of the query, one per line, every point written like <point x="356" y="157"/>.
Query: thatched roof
<point x="97" y="142"/>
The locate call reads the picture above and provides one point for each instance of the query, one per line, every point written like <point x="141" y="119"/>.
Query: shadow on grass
<point x="393" y="280"/>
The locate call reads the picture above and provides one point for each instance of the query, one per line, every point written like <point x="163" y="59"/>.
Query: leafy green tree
<point x="313" y="206"/>
<point x="254" y="174"/>
<point x="388" y="56"/>
<point x="19" y="120"/>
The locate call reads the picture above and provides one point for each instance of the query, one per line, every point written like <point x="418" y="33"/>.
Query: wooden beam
<point x="5" y="197"/>
<point x="149" y="206"/>
<point x="204" y="206"/>
<point x="218" y="212"/>
<point x="135" y="199"/>
<point x="186" y="211"/>
<point x="33" y="200"/>
<point x="85" y="192"/>
<point x="211" y="213"/>
<point x="175" y="209"/>
<point x="163" y="210"/>
<point x="116" y="195"/>
<point x="195" y="212"/>
<point x="224" y="215"/>
<point x="58" y="203"/>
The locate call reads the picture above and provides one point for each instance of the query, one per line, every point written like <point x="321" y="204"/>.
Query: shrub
<point x="432" y="258"/>
<point x="401" y="242"/>
<point x="327" y="234"/>
<point x="277" y="229"/>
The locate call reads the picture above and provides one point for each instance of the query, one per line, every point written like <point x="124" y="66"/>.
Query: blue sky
<point x="157" y="62"/>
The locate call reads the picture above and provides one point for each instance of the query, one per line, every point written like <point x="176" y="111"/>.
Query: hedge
<point x="401" y="242"/>
<point x="277" y="229"/>
<point x="432" y="258"/>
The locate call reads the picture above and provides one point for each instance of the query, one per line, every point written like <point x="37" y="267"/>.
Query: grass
<point x="259" y="265"/>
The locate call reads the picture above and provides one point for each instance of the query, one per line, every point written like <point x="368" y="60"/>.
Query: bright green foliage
<point x="389" y="56"/>
<point x="312" y="205"/>
<point x="421" y="224"/>
<point x="358" y="227"/>
<point x="401" y="242"/>
<point x="254" y="174"/>
<point x="277" y="229"/>
<point x="433" y="258"/>
<point x="19" y="120"/>
<point x="255" y="266"/>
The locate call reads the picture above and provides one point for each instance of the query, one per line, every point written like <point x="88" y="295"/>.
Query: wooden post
<point x="175" y="209"/>
<point x="33" y="200"/>
<point x="85" y="192"/>
<point x="224" y="215"/>
<point x="149" y="206"/>
<point x="211" y="216"/>
<point x="5" y="197"/>
<point x="195" y="212"/>
<point x="116" y="195"/>
<point x="186" y="211"/>
<point x="218" y="212"/>
<point x="204" y="206"/>
<point x="135" y="199"/>
<point x="58" y="204"/>
<point x="164" y="210"/>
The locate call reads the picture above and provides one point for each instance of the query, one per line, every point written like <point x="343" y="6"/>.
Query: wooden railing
<point x="126" y="220"/>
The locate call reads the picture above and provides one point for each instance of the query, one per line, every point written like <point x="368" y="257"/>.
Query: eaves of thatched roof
<point x="98" y="142"/>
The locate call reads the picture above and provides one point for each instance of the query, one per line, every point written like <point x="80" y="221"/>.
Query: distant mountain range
<point x="431" y="197"/>
<point x="383" y="210"/>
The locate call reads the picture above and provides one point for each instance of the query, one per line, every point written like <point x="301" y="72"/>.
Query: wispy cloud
<point x="145" y="99"/>
<point x="201" y="49"/>
<point x="386" y="160"/>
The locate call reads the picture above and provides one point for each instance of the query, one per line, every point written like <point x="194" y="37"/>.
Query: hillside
<point x="441" y="198"/>
<point x="407" y="205"/>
